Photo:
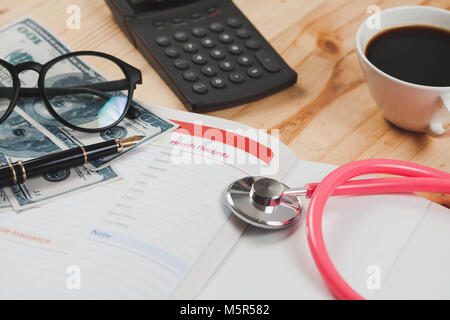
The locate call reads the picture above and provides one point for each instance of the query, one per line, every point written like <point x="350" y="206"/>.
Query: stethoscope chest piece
<point x="261" y="202"/>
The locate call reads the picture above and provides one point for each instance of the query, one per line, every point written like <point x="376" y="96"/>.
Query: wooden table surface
<point x="329" y="116"/>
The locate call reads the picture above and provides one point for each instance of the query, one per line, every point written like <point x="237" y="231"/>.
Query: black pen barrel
<point x="53" y="162"/>
<point x="18" y="172"/>
<point x="7" y="176"/>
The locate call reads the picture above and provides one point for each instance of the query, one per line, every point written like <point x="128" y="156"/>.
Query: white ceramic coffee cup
<point x="409" y="106"/>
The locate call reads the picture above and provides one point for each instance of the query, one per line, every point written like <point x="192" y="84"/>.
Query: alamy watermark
<point x="73" y="21"/>
<point x="73" y="281"/>
<point x="201" y="144"/>
<point x="373" y="281"/>
<point x="374" y="21"/>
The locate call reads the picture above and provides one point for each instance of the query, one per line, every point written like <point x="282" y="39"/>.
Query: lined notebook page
<point x="133" y="239"/>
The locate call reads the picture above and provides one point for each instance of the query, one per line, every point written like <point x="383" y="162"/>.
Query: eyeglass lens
<point x="83" y="97"/>
<point x="6" y="91"/>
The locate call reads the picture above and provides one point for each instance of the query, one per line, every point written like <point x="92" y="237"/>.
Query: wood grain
<point x="328" y="116"/>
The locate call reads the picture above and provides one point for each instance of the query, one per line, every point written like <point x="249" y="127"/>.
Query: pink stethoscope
<point x="269" y="204"/>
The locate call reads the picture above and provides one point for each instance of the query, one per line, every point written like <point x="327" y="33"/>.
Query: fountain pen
<point x="18" y="172"/>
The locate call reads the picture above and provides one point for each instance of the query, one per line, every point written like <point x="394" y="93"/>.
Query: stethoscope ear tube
<point x="422" y="179"/>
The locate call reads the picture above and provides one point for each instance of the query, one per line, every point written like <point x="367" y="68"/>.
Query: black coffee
<point x="416" y="54"/>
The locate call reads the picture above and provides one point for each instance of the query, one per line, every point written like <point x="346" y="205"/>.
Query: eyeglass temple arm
<point x="95" y="88"/>
<point x="116" y="85"/>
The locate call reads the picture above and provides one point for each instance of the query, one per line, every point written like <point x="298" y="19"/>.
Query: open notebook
<point x="164" y="230"/>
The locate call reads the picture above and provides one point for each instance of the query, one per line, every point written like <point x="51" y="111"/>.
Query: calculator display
<point x="148" y="5"/>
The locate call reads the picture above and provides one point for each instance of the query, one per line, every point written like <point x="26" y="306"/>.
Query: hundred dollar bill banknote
<point x="4" y="203"/>
<point x="21" y="139"/>
<point x="27" y="40"/>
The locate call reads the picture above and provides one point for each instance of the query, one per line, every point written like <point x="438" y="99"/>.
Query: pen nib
<point x="131" y="141"/>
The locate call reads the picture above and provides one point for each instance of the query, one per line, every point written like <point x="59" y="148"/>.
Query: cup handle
<point x="440" y="115"/>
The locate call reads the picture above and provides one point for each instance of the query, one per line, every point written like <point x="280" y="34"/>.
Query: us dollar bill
<point x="4" y="203"/>
<point x="21" y="139"/>
<point x="28" y="40"/>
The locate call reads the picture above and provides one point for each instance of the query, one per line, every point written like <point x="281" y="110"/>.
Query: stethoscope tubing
<point x="420" y="179"/>
<point x="386" y="185"/>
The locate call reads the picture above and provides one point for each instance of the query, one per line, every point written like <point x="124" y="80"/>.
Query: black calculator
<point x="207" y="51"/>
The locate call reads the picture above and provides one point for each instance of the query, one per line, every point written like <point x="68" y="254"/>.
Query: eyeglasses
<point x="73" y="93"/>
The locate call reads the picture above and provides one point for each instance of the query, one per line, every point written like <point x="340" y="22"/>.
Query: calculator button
<point x="254" y="72"/>
<point x="253" y="44"/>
<point x="212" y="9"/>
<point x="243" y="33"/>
<point x="158" y="23"/>
<point x="217" y="54"/>
<point x="208" y="43"/>
<point x="200" y="88"/>
<point x="218" y="83"/>
<point x="245" y="61"/>
<point x="267" y="61"/>
<point x="171" y="52"/>
<point x="226" y="66"/>
<point x="236" y="77"/>
<point x="181" y="64"/>
<point x="225" y="38"/>
<point x="199" y="58"/>
<point x="216" y="27"/>
<point x="234" y="22"/>
<point x="196" y="16"/>
<point x="209" y="71"/>
<point x="199" y="32"/>
<point x="190" y="47"/>
<point x="163" y="41"/>
<point x="177" y="21"/>
<point x="235" y="49"/>
<point x="190" y="75"/>
<point x="181" y="36"/>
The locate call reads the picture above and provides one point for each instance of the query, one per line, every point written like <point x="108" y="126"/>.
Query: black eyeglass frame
<point x="132" y="75"/>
